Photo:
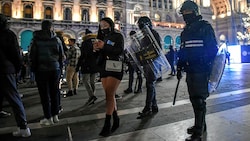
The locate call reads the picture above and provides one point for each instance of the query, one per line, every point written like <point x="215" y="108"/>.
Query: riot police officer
<point x="198" y="49"/>
<point x="151" y="103"/>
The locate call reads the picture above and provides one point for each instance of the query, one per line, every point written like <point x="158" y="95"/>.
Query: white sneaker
<point x="46" y="121"/>
<point x="55" y="119"/>
<point x="22" y="132"/>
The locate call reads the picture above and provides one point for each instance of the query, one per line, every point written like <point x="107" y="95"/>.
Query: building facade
<point x="74" y="16"/>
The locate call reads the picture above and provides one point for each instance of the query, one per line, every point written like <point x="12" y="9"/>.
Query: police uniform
<point x="197" y="52"/>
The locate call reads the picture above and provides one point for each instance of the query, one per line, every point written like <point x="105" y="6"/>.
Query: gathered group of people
<point x="48" y="54"/>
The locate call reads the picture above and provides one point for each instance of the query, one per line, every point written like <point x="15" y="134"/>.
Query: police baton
<point x="176" y="89"/>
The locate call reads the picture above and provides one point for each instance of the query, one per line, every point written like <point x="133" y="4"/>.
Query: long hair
<point x="100" y="35"/>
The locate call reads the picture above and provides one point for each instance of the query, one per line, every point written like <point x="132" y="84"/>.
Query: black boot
<point x="128" y="90"/>
<point x="106" y="128"/>
<point x="155" y="109"/>
<point x="75" y="92"/>
<point x="192" y="129"/>
<point x="116" y="121"/>
<point x="145" y="112"/>
<point x="193" y="137"/>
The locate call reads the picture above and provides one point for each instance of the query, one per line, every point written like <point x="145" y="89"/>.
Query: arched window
<point x="168" y="40"/>
<point x="117" y="16"/>
<point x="85" y="15"/>
<point x="168" y="18"/>
<point x="28" y="11"/>
<point x="67" y="14"/>
<point x="157" y="17"/>
<point x="101" y="14"/>
<point x="178" y="42"/>
<point x="48" y="13"/>
<point x="6" y="9"/>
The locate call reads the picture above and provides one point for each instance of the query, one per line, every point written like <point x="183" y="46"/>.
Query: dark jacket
<point x="10" y="58"/>
<point x="88" y="58"/>
<point x="46" y="52"/>
<point x="113" y="48"/>
<point x="198" y="47"/>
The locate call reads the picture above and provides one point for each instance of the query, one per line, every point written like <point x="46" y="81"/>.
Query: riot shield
<point x="146" y="53"/>
<point x="217" y="68"/>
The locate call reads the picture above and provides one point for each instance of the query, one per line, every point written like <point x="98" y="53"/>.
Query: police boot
<point x="198" y="128"/>
<point x="106" y="128"/>
<point x="145" y="112"/>
<point x="193" y="129"/>
<point x="116" y="121"/>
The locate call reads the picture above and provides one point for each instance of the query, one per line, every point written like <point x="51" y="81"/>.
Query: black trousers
<point x="48" y="87"/>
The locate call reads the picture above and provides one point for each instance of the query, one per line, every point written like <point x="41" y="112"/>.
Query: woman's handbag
<point x="112" y="65"/>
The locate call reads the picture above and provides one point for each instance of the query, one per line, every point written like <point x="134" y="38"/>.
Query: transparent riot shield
<point x="146" y="53"/>
<point x="217" y="69"/>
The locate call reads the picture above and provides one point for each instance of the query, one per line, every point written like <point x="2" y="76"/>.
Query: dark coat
<point x="88" y="59"/>
<point x="10" y="58"/>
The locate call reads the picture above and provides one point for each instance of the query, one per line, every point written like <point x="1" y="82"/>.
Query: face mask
<point x="105" y="31"/>
<point x="189" y="18"/>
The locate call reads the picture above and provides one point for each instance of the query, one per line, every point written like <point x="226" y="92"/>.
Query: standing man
<point x="46" y="56"/>
<point x="151" y="103"/>
<point x="89" y="68"/>
<point x="10" y="62"/>
<point x="72" y="78"/>
<point x="197" y="52"/>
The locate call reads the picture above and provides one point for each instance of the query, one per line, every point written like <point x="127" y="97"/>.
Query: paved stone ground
<point x="227" y="111"/>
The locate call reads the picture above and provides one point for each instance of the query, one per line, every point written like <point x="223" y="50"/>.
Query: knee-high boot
<point x="106" y="128"/>
<point x="116" y="121"/>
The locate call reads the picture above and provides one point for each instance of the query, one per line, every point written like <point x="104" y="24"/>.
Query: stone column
<point x="93" y="11"/>
<point x="110" y="12"/>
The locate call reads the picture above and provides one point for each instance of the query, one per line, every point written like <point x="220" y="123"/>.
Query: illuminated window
<point x="154" y="3"/>
<point x="6" y="9"/>
<point x="101" y="14"/>
<point x="117" y="16"/>
<point x="157" y="17"/>
<point x="159" y="4"/>
<point x="67" y="14"/>
<point x="48" y="13"/>
<point x="85" y="15"/>
<point x="28" y="11"/>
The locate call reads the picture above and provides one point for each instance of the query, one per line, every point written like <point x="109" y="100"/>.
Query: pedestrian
<point x="151" y="102"/>
<point x="110" y="45"/>
<point x="171" y="59"/>
<point x="72" y="77"/>
<point x="89" y="68"/>
<point x="196" y="55"/>
<point x="46" y="56"/>
<point x="10" y="62"/>
<point x="132" y="67"/>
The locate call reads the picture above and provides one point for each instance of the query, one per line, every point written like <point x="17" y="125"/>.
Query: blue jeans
<point x="48" y="87"/>
<point x="8" y="89"/>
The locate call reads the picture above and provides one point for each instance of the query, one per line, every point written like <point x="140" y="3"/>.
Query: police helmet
<point x="144" y="21"/>
<point x="190" y="5"/>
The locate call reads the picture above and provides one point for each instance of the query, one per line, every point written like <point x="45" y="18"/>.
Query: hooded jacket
<point x="46" y="53"/>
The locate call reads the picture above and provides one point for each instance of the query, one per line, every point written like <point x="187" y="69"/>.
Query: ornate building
<point x="74" y="16"/>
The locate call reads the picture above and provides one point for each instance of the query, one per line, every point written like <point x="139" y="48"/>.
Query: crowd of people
<point x="49" y="60"/>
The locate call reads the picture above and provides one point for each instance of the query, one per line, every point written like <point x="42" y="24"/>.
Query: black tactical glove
<point x="179" y="74"/>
